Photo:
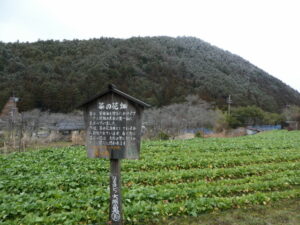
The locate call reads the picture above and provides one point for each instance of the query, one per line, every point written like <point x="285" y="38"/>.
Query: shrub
<point x="251" y="115"/>
<point x="199" y="134"/>
<point x="163" y="136"/>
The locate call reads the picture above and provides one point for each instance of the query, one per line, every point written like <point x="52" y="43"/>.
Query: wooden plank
<point x="113" y="128"/>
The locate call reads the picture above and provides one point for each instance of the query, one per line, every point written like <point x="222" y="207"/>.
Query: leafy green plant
<point x="172" y="178"/>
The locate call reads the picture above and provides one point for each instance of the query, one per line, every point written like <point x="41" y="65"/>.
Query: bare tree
<point x="32" y="127"/>
<point x="177" y="118"/>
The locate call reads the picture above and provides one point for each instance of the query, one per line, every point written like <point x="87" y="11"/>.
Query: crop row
<point x="205" y="162"/>
<point x="45" y="205"/>
<point x="191" y="192"/>
<point x="180" y="176"/>
<point x="74" y="198"/>
<point x="28" y="183"/>
<point x="138" y="212"/>
<point x="207" y="154"/>
<point x="270" y="176"/>
<point x="74" y="160"/>
<point x="282" y="141"/>
<point x="161" y="210"/>
<point x="222" y="145"/>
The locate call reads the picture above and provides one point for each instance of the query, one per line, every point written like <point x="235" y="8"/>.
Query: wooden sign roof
<point x="112" y="89"/>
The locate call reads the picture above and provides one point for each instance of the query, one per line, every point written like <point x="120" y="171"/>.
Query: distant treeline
<point x="57" y="75"/>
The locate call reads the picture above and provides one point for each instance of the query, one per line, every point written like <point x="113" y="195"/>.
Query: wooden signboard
<point x="113" y="126"/>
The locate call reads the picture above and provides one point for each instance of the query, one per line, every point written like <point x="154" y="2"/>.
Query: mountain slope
<point x="160" y="70"/>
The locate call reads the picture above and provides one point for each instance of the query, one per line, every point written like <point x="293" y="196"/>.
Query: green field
<point x="172" y="180"/>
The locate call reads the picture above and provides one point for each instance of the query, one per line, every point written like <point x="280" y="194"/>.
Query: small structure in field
<point x="292" y="125"/>
<point x="10" y="109"/>
<point x="67" y="127"/>
<point x="251" y="131"/>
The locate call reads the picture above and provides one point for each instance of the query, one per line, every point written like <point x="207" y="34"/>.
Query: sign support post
<point x="115" y="212"/>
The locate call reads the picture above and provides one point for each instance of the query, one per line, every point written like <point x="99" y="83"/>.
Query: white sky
<point x="264" y="32"/>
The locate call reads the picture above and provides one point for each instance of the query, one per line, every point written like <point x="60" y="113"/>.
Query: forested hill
<point x="159" y="70"/>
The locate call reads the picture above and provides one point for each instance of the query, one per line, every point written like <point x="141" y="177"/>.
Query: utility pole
<point x="229" y="102"/>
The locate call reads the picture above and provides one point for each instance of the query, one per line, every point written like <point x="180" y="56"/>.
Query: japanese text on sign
<point x="112" y="124"/>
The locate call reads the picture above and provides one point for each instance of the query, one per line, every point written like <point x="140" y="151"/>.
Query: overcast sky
<point x="264" y="32"/>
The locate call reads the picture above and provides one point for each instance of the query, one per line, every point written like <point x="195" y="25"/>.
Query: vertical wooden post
<point x="115" y="212"/>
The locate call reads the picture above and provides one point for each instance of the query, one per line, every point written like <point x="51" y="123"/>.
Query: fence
<point x="265" y="127"/>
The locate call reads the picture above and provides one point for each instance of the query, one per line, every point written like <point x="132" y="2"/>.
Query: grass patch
<point x="285" y="212"/>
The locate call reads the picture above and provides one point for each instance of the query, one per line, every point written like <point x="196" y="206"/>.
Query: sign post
<point x="113" y="122"/>
<point x="115" y="212"/>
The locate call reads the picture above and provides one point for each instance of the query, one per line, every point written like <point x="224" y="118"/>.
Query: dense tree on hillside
<point x="252" y="115"/>
<point x="56" y="76"/>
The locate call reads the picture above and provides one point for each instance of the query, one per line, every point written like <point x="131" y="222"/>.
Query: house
<point x="251" y="131"/>
<point x="292" y="125"/>
<point x="10" y="109"/>
<point x="67" y="127"/>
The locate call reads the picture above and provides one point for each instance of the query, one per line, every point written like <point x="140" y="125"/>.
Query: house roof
<point x="10" y="107"/>
<point x="70" y="125"/>
<point x="112" y="89"/>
